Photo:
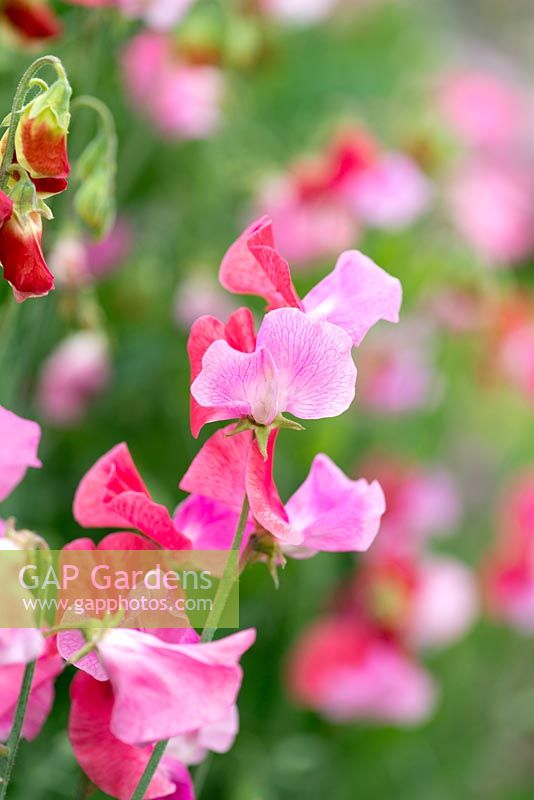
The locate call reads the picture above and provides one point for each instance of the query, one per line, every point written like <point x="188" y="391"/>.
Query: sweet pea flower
<point x="397" y="372"/>
<point x="77" y="262"/>
<point x="30" y="21"/>
<point x="48" y="667"/>
<point x="485" y="109"/>
<point x="391" y="193"/>
<point x="22" y="258"/>
<point x="490" y="203"/>
<point x="165" y="688"/>
<point x="300" y="365"/>
<point x="113" y="495"/>
<point x="509" y="572"/>
<point x="182" y="100"/>
<point x="425" y="601"/>
<point x="112" y="765"/>
<point x="421" y="502"/>
<point x="354" y="296"/>
<point x="347" y="671"/>
<point x="329" y="512"/>
<point x="75" y="373"/>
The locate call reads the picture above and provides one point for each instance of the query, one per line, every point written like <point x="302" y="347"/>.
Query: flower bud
<point x="95" y="203"/>
<point x="41" y="138"/>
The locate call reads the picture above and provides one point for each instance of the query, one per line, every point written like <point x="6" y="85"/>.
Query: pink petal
<point x="71" y="642"/>
<point x="355" y="296"/>
<point x="112" y="765"/>
<point x="125" y="541"/>
<point x="20" y="440"/>
<point x="20" y="645"/>
<point x="238" y="384"/>
<point x="112" y="474"/>
<point x="150" y="518"/>
<point x="333" y="512"/>
<point x="192" y="747"/>
<point x="84" y="543"/>
<point x="208" y="525"/>
<point x="218" y="469"/>
<point x="162" y="690"/>
<point x="265" y="503"/>
<point x="252" y="265"/>
<point x="238" y="332"/>
<point x="316" y="374"/>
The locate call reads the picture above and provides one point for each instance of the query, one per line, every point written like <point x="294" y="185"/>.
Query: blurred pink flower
<point x="491" y="205"/>
<point x="516" y="357"/>
<point x="348" y="671"/>
<point x="157" y="14"/>
<point x="485" y="109"/>
<point x="307" y="228"/>
<point x="181" y="99"/>
<point x="397" y="371"/>
<point x="198" y="295"/>
<point x="78" y="261"/>
<point x="77" y="371"/>
<point x="391" y="193"/>
<point x="106" y="254"/>
<point x="68" y="260"/>
<point x="509" y="572"/>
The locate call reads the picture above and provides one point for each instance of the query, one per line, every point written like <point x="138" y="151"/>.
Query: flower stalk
<point x="16" y="731"/>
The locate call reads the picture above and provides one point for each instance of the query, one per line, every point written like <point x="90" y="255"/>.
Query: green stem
<point x="16" y="730"/>
<point x="18" y="105"/>
<point x="221" y="598"/>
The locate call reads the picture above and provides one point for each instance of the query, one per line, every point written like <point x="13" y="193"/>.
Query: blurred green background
<point x="187" y="202"/>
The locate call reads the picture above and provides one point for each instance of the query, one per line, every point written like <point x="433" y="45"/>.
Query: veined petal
<point x="355" y="296"/>
<point x="316" y="374"/>
<point x="238" y="384"/>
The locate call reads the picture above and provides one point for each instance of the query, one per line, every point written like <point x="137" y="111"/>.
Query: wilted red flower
<point x="22" y="258"/>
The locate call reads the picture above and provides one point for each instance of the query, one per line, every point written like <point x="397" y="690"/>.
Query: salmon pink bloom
<point x="75" y="373"/>
<point x="165" y="688"/>
<point x="354" y="296"/>
<point x="112" y="765"/>
<point x="112" y="495"/>
<point x="300" y="365"/>
<point x="49" y="665"/>
<point x="347" y="671"/>
<point x="329" y="512"/>
<point x="182" y="100"/>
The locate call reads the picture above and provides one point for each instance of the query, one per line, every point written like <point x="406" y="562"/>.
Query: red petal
<point x="22" y="258"/>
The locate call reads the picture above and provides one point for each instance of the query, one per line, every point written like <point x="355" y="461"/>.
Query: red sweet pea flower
<point x="31" y="19"/>
<point x="22" y="258"/>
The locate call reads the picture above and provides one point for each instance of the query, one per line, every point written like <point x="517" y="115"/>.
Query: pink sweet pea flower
<point x="112" y="494"/>
<point x="20" y="645"/>
<point x="354" y="296"/>
<point x="217" y="737"/>
<point x="163" y="689"/>
<point x="391" y="193"/>
<point x="309" y="226"/>
<point x="182" y="100"/>
<point x="347" y="671"/>
<point x="509" y="574"/>
<point x="397" y="372"/>
<point x="114" y="766"/>
<point x="485" y="109"/>
<point x="77" y="262"/>
<point x="48" y="668"/>
<point x="491" y="205"/>
<point x="20" y="440"/>
<point x="76" y="372"/>
<point x="300" y="365"/>
<point x="329" y="512"/>
<point x="208" y="524"/>
<point x="421" y="502"/>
